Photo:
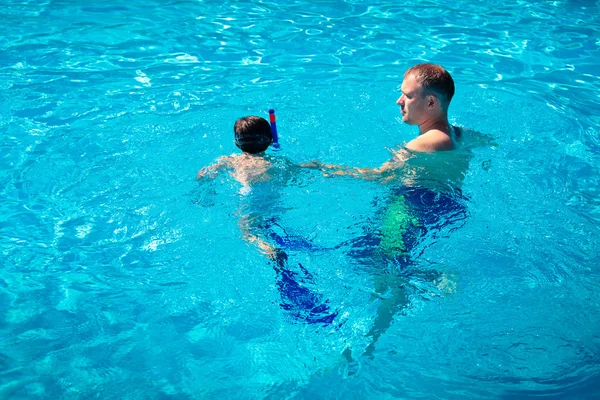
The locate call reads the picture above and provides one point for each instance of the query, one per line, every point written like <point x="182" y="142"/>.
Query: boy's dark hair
<point x="252" y="134"/>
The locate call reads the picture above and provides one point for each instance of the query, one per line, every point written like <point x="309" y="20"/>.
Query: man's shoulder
<point x="430" y="141"/>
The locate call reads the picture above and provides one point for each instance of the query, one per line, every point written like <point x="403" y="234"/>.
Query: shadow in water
<point x="297" y="298"/>
<point x="296" y="284"/>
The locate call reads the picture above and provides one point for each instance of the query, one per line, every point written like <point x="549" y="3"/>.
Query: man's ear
<point x="431" y="100"/>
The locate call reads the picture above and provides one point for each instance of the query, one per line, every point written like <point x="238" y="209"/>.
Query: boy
<point x="253" y="136"/>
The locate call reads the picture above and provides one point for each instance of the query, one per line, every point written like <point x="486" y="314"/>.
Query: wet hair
<point x="434" y="79"/>
<point x="252" y="134"/>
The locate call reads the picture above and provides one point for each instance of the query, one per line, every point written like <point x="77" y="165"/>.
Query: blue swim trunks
<point x="410" y="213"/>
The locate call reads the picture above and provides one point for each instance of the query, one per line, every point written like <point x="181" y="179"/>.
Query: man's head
<point x="427" y="90"/>
<point x="252" y="134"/>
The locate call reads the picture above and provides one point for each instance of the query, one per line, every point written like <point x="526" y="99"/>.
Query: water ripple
<point x="110" y="249"/>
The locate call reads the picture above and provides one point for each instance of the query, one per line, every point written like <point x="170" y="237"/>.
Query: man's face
<point x="413" y="103"/>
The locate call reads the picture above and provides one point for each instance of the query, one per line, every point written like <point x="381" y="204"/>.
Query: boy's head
<point x="252" y="134"/>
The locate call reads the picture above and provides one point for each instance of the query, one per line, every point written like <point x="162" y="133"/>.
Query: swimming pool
<point x="124" y="277"/>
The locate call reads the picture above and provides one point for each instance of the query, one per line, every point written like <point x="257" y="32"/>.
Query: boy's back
<point x="250" y="168"/>
<point x="244" y="168"/>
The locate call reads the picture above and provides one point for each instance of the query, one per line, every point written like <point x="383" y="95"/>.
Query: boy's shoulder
<point x="226" y="159"/>
<point x="213" y="169"/>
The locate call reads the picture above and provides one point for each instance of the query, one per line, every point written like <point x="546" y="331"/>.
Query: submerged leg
<point x="408" y="218"/>
<point x="393" y="299"/>
<point x="398" y="233"/>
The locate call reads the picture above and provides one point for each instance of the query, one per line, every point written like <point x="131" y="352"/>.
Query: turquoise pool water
<point x="124" y="277"/>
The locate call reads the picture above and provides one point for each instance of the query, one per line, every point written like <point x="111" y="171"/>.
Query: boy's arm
<point x="212" y="170"/>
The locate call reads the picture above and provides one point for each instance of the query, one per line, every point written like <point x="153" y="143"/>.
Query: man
<point x="427" y="90"/>
<point x="425" y="199"/>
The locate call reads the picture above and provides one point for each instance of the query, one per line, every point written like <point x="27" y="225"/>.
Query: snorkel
<point x="276" y="145"/>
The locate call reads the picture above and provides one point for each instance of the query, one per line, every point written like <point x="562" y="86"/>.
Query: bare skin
<point x="249" y="236"/>
<point x="246" y="169"/>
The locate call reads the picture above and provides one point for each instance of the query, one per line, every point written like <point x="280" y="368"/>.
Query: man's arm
<point x="385" y="171"/>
